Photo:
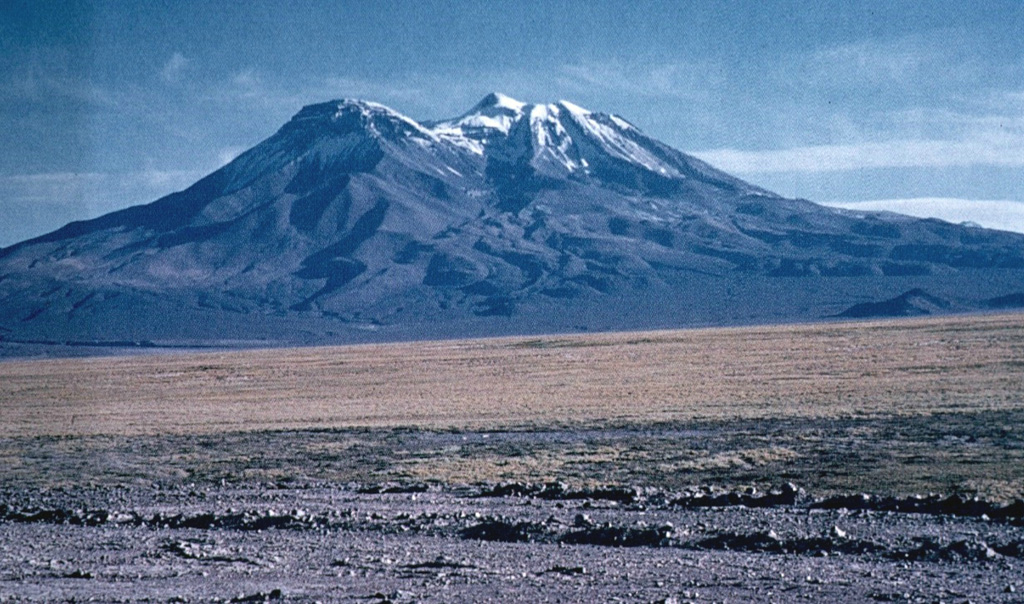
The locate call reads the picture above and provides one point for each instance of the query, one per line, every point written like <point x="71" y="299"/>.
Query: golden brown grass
<point x="908" y="367"/>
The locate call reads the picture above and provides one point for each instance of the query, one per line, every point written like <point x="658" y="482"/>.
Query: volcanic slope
<point x="356" y="223"/>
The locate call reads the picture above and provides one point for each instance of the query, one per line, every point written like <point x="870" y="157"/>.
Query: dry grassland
<point x="839" y="370"/>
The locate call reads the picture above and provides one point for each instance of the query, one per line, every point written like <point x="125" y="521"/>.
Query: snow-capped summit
<point x="560" y="138"/>
<point x="346" y="115"/>
<point x="491" y="118"/>
<point x="498" y="113"/>
<point x="557" y="139"/>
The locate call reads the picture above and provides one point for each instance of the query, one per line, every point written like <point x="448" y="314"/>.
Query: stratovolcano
<point x="356" y="223"/>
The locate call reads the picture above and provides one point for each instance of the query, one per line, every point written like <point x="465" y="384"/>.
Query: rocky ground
<point x="702" y="512"/>
<point x="505" y="542"/>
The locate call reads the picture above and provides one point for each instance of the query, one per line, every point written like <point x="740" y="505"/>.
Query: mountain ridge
<point x="354" y="222"/>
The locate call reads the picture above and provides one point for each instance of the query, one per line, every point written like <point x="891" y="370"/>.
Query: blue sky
<point x="915" y="106"/>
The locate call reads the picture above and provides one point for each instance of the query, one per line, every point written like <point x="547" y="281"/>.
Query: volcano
<point x="355" y="223"/>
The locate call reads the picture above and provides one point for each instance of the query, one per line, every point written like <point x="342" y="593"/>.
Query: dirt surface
<point x="703" y="512"/>
<point x="805" y="487"/>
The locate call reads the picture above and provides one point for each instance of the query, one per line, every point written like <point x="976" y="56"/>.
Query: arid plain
<point x="909" y="367"/>
<point x="704" y="465"/>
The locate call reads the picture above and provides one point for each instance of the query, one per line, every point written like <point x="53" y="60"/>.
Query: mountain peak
<point x="560" y="138"/>
<point x="493" y="115"/>
<point x="347" y="115"/>
<point x="498" y="100"/>
<point x="341" y="108"/>
<point x="497" y="103"/>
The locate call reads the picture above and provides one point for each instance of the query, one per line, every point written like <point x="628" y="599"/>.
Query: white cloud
<point x="994" y="149"/>
<point x="247" y="83"/>
<point x="875" y="62"/>
<point x="679" y="80"/>
<point x="937" y="92"/>
<point x="947" y="63"/>
<point x="174" y="68"/>
<point x="38" y="86"/>
<point x="85" y="189"/>
<point x="228" y="154"/>
<point x="994" y="214"/>
<point x="348" y="87"/>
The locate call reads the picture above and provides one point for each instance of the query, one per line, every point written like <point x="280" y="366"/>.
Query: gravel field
<point x="473" y="544"/>
<point x="264" y="516"/>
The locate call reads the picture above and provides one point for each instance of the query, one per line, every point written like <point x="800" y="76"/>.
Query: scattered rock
<point x="416" y="487"/>
<point x="754" y="542"/>
<point x="560" y="491"/>
<point x="508" y="531"/>
<point x="79" y="574"/>
<point x="963" y="550"/>
<point x="617" y="536"/>
<point x="275" y="594"/>
<point x="567" y="570"/>
<point x="582" y="521"/>
<point x="440" y="562"/>
<point x="935" y="504"/>
<point x="787" y="494"/>
<point x="395" y="596"/>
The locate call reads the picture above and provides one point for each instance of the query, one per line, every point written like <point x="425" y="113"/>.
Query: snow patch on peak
<point x="574" y="109"/>
<point x="550" y="135"/>
<point x="621" y="123"/>
<point x="367" y="110"/>
<point x="501" y="101"/>
<point x="553" y="132"/>
<point x="493" y="117"/>
<point x="370" y="108"/>
<point x="362" y="105"/>
<point x="339" y="107"/>
<point x="495" y="112"/>
<point x="543" y="112"/>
